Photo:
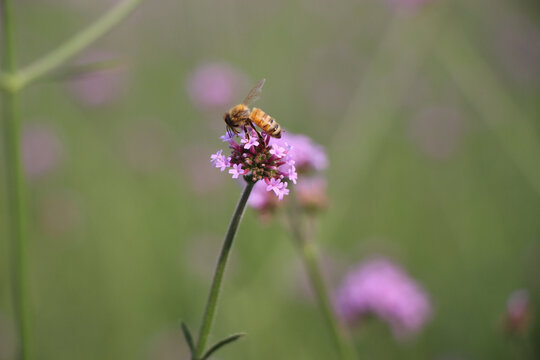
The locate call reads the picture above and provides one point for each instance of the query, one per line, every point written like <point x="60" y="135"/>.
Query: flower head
<point x="382" y="288"/>
<point x="256" y="159"/>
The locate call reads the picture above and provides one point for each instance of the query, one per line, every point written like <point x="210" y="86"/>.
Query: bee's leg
<point x="246" y="131"/>
<point x="254" y="128"/>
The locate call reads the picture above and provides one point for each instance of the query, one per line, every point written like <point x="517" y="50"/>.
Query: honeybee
<point x="241" y="116"/>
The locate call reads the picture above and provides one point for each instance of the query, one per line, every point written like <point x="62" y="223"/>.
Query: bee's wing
<point x="254" y="93"/>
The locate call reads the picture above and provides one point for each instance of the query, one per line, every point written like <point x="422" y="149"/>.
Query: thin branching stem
<point x="211" y="303"/>
<point x="309" y="254"/>
<point x="14" y="180"/>
<point x="14" y="81"/>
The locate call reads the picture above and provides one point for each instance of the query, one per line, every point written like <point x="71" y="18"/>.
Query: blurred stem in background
<point x="389" y="74"/>
<point x="12" y="81"/>
<point x="14" y="180"/>
<point x="478" y="82"/>
<point x="307" y="249"/>
<point x="17" y="80"/>
<point x="199" y="352"/>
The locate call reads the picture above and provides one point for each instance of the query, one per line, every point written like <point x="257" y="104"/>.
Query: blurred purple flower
<point x="258" y="162"/>
<point x="381" y="288"/>
<point x="215" y="85"/>
<point x="306" y="155"/>
<point x="517" y="316"/>
<point x="311" y="193"/>
<point x="261" y="199"/>
<point x="42" y="150"/>
<point x="98" y="87"/>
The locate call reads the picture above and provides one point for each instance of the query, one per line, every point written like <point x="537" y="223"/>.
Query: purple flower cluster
<point x="306" y="157"/>
<point x="259" y="159"/>
<point x="381" y="288"/>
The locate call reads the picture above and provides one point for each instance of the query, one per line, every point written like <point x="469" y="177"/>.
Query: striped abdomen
<point x="265" y="122"/>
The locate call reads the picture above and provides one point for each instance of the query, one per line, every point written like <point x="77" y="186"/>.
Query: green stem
<point x="17" y="80"/>
<point x="308" y="253"/>
<point x="14" y="181"/>
<point x="211" y="303"/>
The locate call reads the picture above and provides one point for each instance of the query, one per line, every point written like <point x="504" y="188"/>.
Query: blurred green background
<point x="429" y="115"/>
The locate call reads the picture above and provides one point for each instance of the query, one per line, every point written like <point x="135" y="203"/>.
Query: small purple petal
<point x="236" y="171"/>
<point x="216" y="156"/>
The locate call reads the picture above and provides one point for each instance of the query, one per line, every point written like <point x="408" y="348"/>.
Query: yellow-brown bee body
<point x="265" y="122"/>
<point x="241" y="116"/>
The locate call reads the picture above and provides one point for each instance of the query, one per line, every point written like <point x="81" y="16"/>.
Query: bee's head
<point x="228" y="121"/>
<point x="230" y="125"/>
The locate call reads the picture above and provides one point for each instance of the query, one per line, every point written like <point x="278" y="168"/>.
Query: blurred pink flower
<point x="517" y="316"/>
<point x="311" y="193"/>
<point x="382" y="288"/>
<point x="260" y="199"/>
<point x="215" y="85"/>
<point x="306" y="154"/>
<point x="98" y="87"/>
<point x="437" y="131"/>
<point x="41" y="150"/>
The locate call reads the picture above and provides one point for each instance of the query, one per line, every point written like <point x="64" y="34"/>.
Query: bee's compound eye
<point x="227" y="119"/>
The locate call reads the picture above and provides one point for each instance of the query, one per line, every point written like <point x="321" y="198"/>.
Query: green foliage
<point x="220" y="344"/>
<point x="188" y="337"/>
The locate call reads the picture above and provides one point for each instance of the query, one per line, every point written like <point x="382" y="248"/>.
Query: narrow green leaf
<point x="189" y="338"/>
<point x="220" y="344"/>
